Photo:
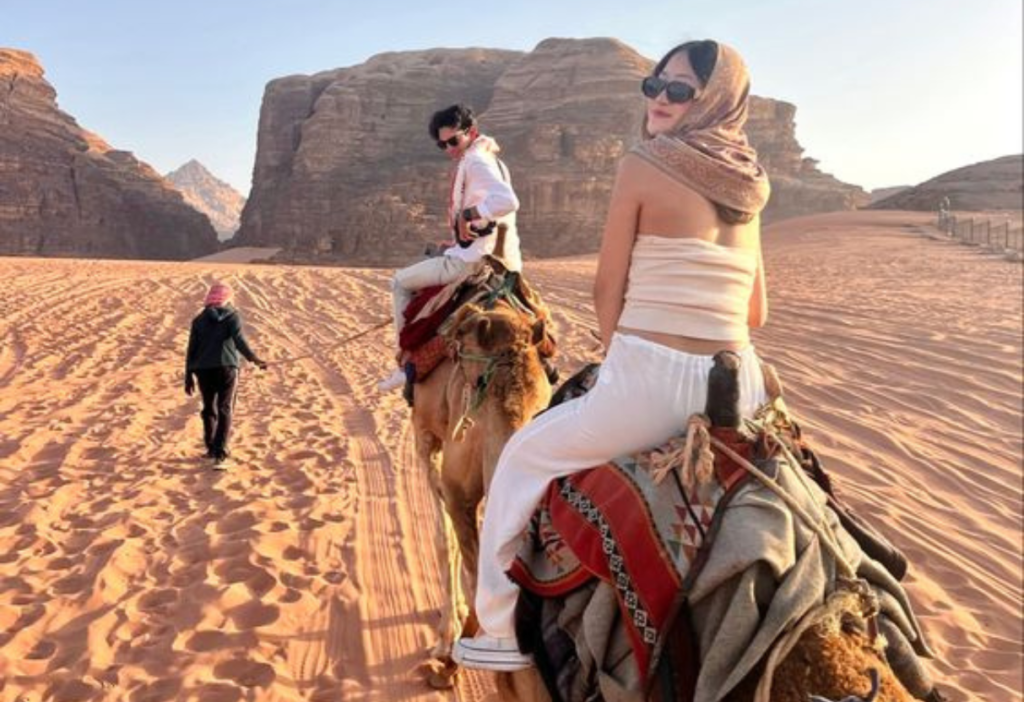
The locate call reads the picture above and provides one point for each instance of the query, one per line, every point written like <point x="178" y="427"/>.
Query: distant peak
<point x="191" y="166"/>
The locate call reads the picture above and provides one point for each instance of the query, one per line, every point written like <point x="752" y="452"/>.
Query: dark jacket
<point x="216" y="340"/>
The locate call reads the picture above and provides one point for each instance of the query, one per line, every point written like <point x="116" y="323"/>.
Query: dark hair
<point x="703" y="55"/>
<point x="458" y="117"/>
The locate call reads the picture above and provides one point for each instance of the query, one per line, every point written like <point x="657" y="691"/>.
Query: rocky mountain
<point x="879" y="194"/>
<point x="64" y="191"/>
<point x="221" y="203"/>
<point x="345" y="169"/>
<point x="990" y="185"/>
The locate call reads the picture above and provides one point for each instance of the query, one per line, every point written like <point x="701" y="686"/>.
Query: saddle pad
<point x="647" y="540"/>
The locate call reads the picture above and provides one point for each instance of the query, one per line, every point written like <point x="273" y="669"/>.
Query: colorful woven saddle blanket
<point x="648" y="539"/>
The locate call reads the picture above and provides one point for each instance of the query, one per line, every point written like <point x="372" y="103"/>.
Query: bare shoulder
<point x="636" y="174"/>
<point x="632" y="165"/>
<point x="648" y="174"/>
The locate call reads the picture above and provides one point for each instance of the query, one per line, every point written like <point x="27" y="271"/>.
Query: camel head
<point x="498" y="352"/>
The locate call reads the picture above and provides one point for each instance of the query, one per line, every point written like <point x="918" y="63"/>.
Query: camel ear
<point x="537" y="332"/>
<point x="494" y="332"/>
<point x="453" y="326"/>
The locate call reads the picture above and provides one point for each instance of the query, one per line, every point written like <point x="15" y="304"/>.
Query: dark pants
<point x="217" y="386"/>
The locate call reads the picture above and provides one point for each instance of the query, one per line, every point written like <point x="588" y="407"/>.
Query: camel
<point x="833" y="654"/>
<point x="463" y="414"/>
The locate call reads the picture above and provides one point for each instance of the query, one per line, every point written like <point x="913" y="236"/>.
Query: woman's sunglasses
<point x="449" y="142"/>
<point x="676" y="91"/>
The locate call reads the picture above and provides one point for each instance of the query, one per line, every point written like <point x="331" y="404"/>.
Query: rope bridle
<point x="474" y="392"/>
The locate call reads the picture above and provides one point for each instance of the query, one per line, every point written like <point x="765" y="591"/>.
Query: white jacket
<point x="481" y="181"/>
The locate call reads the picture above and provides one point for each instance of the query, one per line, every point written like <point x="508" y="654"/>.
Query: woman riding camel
<point x="679" y="278"/>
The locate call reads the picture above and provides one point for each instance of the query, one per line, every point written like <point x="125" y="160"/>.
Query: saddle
<point x="422" y="339"/>
<point x="617" y="548"/>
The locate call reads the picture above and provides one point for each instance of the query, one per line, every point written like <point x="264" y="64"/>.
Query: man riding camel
<point x="480" y="198"/>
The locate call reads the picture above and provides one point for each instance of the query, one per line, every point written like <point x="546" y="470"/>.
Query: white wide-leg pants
<point x="439" y="270"/>
<point x="644" y="395"/>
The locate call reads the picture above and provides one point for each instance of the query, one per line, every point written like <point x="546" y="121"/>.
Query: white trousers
<point x="439" y="270"/>
<point x="644" y="395"/>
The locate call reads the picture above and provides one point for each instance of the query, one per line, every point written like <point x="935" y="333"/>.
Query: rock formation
<point x="64" y="191"/>
<point x="345" y="170"/>
<point x="879" y="194"/>
<point x="990" y="185"/>
<point x="221" y="203"/>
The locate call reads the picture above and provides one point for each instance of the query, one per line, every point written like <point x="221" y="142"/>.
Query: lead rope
<point x="347" y="340"/>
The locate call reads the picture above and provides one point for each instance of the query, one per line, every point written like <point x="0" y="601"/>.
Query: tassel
<point x="695" y="460"/>
<point x="464" y="422"/>
<point x="700" y="459"/>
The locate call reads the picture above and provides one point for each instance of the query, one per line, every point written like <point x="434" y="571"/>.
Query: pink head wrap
<point x="219" y="294"/>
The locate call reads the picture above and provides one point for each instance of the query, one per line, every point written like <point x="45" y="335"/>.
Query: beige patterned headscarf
<point x="709" y="151"/>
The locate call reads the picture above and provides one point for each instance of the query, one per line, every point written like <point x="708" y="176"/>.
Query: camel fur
<point x="461" y="423"/>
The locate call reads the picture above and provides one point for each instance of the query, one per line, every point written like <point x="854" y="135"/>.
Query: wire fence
<point x="1006" y="235"/>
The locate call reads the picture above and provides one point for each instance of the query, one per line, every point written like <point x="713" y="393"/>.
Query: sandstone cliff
<point x="66" y="192"/>
<point x="206" y="193"/>
<point x="345" y="170"/>
<point x="990" y="185"/>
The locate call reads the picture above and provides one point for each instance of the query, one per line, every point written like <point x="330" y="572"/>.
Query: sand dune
<point x="131" y="572"/>
<point x="240" y="254"/>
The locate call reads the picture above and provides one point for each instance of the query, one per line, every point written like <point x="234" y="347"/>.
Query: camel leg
<point x="447" y="550"/>
<point x="462" y="510"/>
<point x="440" y="670"/>
<point x="461" y="491"/>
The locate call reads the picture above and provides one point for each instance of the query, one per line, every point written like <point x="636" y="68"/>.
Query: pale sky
<point x="887" y="92"/>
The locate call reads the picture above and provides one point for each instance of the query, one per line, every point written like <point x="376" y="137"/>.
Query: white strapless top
<point x="689" y="287"/>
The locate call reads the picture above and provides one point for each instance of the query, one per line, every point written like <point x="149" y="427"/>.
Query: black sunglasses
<point x="450" y="141"/>
<point x="675" y="90"/>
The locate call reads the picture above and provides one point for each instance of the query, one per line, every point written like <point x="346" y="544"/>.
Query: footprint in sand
<point x="217" y="692"/>
<point x="204" y="641"/>
<point x="42" y="651"/>
<point x="254" y="614"/>
<point x="290" y="596"/>
<point x="158" y="602"/>
<point x="235" y="522"/>
<point x="245" y="673"/>
<point x="258" y="580"/>
<point x="73" y="691"/>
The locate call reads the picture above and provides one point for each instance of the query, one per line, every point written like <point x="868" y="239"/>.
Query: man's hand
<point x="190" y="384"/>
<point x="464" y="232"/>
<point x="259" y="363"/>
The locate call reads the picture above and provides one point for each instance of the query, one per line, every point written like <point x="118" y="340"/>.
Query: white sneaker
<point x="392" y="382"/>
<point x="490" y="653"/>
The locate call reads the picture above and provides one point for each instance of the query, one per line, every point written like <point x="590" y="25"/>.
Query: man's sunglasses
<point x="449" y="142"/>
<point x="675" y="90"/>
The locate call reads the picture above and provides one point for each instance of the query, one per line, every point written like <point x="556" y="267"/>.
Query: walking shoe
<point x="490" y="653"/>
<point x="392" y="382"/>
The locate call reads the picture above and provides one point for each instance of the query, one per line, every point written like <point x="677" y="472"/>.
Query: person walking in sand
<point x="214" y="344"/>
<point x="480" y="198"/>
<point x="679" y="278"/>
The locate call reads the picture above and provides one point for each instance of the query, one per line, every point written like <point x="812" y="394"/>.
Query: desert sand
<point x="129" y="571"/>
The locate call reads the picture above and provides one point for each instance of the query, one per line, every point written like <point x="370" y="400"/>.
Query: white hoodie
<point x="482" y="183"/>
